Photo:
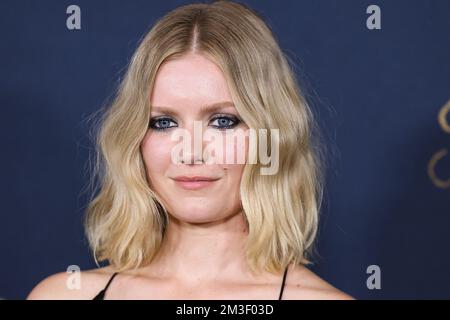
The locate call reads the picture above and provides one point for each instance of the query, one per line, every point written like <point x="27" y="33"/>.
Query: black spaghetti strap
<point x="282" y="285"/>
<point x="101" y="294"/>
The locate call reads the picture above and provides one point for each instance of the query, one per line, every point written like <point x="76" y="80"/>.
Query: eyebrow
<point x="203" y="110"/>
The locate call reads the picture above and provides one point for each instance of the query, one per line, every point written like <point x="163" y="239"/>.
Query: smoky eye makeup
<point x="225" y="121"/>
<point x="161" y="123"/>
<point x="220" y="121"/>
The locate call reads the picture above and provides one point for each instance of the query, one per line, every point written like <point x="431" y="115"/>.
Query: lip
<point x="194" y="182"/>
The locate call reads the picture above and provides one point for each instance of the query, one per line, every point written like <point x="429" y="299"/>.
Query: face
<point x="187" y="89"/>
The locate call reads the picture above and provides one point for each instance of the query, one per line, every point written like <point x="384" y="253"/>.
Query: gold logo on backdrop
<point x="441" y="154"/>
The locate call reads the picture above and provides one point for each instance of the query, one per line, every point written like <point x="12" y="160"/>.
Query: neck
<point x="203" y="252"/>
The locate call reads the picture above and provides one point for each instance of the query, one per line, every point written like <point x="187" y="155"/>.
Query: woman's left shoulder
<point x="304" y="284"/>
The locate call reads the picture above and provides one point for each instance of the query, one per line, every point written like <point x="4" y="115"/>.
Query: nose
<point x="194" y="154"/>
<point x="196" y="160"/>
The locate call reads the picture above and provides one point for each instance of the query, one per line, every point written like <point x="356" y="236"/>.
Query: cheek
<point x="156" y="152"/>
<point x="237" y="152"/>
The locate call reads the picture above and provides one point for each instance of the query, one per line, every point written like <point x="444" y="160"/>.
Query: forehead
<point x="191" y="80"/>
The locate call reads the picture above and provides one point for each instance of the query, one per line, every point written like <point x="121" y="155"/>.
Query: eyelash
<point x="156" y="120"/>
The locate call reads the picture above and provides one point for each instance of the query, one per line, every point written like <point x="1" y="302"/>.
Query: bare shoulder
<point x="303" y="284"/>
<point x="63" y="285"/>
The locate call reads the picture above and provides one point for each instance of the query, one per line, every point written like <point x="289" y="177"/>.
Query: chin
<point x="196" y="214"/>
<point x="196" y="218"/>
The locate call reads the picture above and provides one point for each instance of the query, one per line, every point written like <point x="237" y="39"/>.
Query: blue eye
<point x="161" y="123"/>
<point x="219" y="122"/>
<point x="225" y="122"/>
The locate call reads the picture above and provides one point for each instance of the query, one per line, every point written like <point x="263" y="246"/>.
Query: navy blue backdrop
<point x="378" y="94"/>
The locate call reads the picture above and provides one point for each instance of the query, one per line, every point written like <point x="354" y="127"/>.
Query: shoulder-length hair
<point x="125" y="220"/>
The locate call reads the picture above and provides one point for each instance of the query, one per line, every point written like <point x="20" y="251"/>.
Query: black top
<point x="101" y="294"/>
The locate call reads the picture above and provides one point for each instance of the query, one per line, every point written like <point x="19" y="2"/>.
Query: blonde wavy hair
<point x="125" y="220"/>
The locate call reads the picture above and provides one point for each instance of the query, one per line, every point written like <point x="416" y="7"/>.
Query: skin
<point x="202" y="256"/>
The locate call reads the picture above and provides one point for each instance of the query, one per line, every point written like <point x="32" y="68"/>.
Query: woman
<point x="186" y="225"/>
